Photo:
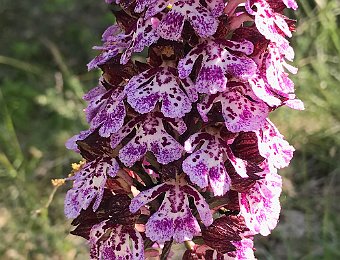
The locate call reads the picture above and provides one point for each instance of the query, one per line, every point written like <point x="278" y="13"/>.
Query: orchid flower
<point x="180" y="148"/>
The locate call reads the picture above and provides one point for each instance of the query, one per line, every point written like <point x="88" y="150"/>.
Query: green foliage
<point x="44" y="48"/>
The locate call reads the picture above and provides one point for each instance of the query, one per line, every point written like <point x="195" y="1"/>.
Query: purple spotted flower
<point x="203" y="18"/>
<point x="106" y="110"/>
<point x="145" y="90"/>
<point x="206" y="166"/>
<point x="271" y="83"/>
<point x="89" y="183"/>
<point x="271" y="24"/>
<point x="174" y="218"/>
<point x="244" y="250"/>
<point x="110" y="241"/>
<point x="273" y="147"/>
<point x="220" y="59"/>
<point x="117" y="41"/>
<point x="241" y="109"/>
<point x="180" y="148"/>
<point x="260" y="205"/>
<point x="110" y="230"/>
<point x="150" y="136"/>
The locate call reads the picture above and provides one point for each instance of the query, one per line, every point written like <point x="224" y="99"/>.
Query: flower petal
<point x="171" y="25"/>
<point x="145" y="197"/>
<point x="110" y="116"/>
<point x="270" y="25"/>
<point x="200" y="203"/>
<point x="151" y="136"/>
<point x="173" y="219"/>
<point x="244" y="250"/>
<point x="239" y="109"/>
<point x="117" y="245"/>
<point x="203" y="19"/>
<point x="71" y="143"/>
<point x="260" y="206"/>
<point x="217" y="63"/>
<point x="144" y="35"/>
<point x="146" y="89"/>
<point x="89" y="185"/>
<point x="273" y="147"/>
<point x="206" y="165"/>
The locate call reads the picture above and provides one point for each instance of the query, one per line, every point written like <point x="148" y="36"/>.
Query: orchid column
<point x="180" y="148"/>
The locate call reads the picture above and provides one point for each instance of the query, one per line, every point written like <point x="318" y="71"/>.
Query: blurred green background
<point x="44" y="48"/>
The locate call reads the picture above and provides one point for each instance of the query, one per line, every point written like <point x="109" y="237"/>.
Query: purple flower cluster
<point x="180" y="148"/>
